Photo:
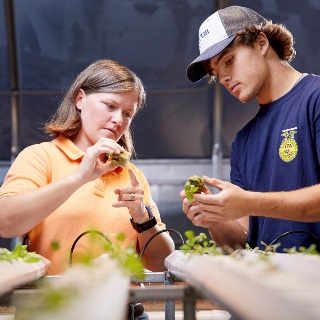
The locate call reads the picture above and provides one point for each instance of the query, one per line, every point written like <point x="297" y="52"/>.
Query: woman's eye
<point x="110" y="106"/>
<point x="128" y="115"/>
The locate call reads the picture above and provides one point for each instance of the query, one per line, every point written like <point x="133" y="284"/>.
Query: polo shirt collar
<point x="68" y="147"/>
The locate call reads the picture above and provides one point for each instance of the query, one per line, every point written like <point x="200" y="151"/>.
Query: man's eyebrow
<point x="222" y="54"/>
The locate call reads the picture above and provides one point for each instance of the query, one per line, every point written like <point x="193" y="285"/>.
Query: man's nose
<point x="224" y="78"/>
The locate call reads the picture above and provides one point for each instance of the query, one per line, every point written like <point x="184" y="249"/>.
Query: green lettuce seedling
<point x="20" y="251"/>
<point x="193" y="185"/>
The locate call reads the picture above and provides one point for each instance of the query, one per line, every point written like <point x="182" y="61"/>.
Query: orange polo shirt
<point x="89" y="208"/>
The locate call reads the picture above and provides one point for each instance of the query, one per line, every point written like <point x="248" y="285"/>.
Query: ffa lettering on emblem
<point x="288" y="148"/>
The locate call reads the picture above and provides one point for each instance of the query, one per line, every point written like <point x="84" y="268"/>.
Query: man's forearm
<point x="299" y="205"/>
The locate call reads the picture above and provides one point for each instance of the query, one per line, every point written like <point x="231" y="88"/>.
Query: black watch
<point x="146" y="225"/>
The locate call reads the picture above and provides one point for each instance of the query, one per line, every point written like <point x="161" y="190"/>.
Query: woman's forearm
<point x="21" y="212"/>
<point x="157" y="250"/>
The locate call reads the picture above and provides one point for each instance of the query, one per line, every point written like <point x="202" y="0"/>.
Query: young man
<point x="275" y="170"/>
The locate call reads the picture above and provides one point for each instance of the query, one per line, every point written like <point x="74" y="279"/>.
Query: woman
<point x="55" y="191"/>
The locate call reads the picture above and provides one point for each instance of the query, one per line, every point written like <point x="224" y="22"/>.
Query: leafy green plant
<point x="128" y="259"/>
<point x="268" y="249"/>
<point x="55" y="245"/>
<point x="54" y="298"/>
<point x="263" y="254"/>
<point x="20" y="251"/>
<point x="193" y="185"/>
<point x="200" y="244"/>
<point x="311" y="250"/>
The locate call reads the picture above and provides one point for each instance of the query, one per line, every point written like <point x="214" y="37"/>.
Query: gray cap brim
<point x="195" y="71"/>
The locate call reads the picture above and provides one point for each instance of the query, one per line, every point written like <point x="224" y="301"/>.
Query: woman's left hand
<point x="132" y="198"/>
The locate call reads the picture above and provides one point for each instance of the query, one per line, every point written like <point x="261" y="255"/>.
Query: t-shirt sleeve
<point x="316" y="122"/>
<point x="29" y="171"/>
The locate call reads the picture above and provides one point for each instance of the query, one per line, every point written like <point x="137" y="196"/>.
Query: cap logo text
<point x="204" y="33"/>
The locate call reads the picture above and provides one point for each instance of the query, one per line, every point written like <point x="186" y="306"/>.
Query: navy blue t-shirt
<point x="279" y="150"/>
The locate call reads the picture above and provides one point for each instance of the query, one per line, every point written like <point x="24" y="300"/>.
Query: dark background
<point x="157" y="39"/>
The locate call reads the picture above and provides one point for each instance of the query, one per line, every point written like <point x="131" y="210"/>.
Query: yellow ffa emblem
<point x="288" y="148"/>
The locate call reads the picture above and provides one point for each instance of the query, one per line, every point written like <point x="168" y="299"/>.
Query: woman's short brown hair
<point x="100" y="76"/>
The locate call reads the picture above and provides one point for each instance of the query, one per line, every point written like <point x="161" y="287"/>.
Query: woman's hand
<point x="94" y="163"/>
<point x="132" y="198"/>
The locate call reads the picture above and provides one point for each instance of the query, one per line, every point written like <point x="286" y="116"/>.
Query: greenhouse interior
<point x="178" y="264"/>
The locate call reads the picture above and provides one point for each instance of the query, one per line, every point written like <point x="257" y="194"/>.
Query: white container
<point x="99" y="292"/>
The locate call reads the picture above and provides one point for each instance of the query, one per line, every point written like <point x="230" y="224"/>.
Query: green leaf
<point x="200" y="244"/>
<point x="190" y="189"/>
<point x="55" y="245"/>
<point x="20" y="251"/>
<point x="32" y="258"/>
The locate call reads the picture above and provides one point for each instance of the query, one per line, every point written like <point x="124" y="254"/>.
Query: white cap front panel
<point x="211" y="32"/>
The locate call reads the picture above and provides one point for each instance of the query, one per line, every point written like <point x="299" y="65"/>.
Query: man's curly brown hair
<point x="280" y="39"/>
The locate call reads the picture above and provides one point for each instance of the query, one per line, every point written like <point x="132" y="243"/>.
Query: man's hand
<point x="230" y="203"/>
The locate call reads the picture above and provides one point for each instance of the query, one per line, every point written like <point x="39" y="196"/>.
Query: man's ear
<point x="263" y="43"/>
<point x="79" y="99"/>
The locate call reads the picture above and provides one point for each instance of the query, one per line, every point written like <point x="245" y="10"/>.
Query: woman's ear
<point x="79" y="99"/>
<point x="263" y="43"/>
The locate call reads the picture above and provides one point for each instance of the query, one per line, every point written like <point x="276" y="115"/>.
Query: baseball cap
<point x="217" y="32"/>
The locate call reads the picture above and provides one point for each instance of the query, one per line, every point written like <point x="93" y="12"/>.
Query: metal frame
<point x="14" y="75"/>
<point x="167" y="292"/>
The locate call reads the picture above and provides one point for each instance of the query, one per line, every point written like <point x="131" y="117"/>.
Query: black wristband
<point x="146" y="225"/>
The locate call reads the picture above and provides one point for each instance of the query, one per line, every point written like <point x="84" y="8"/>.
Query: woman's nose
<point x="117" y="117"/>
